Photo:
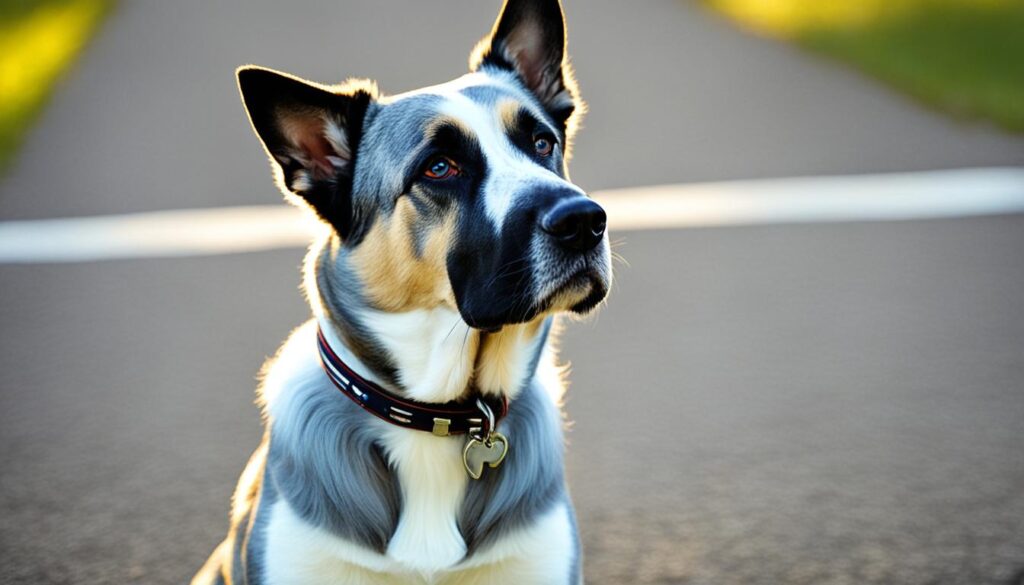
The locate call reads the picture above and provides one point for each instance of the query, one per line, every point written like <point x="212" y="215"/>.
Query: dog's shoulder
<point x="325" y="456"/>
<point x="239" y="559"/>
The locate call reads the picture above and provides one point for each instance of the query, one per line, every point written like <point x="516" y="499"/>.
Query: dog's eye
<point x="441" y="168"/>
<point x="544" y="144"/>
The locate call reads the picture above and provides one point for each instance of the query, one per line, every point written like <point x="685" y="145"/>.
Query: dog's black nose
<point x="577" y="223"/>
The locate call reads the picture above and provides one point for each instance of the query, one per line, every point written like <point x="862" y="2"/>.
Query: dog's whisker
<point x="465" y="340"/>
<point x="620" y="259"/>
<point x="454" y="325"/>
<point x="501" y="271"/>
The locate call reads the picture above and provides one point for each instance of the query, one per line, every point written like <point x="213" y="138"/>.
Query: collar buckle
<point x="441" y="426"/>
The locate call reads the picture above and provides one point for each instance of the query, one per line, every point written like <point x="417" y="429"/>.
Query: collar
<point x="449" y="418"/>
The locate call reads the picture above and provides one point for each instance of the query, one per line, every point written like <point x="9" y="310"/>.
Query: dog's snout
<point x="576" y="224"/>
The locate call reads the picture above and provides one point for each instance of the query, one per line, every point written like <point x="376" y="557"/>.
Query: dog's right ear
<point x="529" y="39"/>
<point x="311" y="133"/>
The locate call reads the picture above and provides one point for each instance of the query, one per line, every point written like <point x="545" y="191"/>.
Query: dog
<point x="413" y="425"/>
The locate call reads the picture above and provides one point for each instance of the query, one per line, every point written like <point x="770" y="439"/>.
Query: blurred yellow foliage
<point x="963" y="56"/>
<point x="35" y="47"/>
<point x="789" y="17"/>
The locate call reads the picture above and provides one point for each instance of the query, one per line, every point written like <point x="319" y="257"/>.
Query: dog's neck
<point x="426" y="354"/>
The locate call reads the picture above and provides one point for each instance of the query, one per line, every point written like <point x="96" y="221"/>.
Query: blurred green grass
<point x="965" y="57"/>
<point x="39" y="40"/>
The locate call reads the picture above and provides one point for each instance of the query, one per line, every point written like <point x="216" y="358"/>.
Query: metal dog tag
<point x="491" y="451"/>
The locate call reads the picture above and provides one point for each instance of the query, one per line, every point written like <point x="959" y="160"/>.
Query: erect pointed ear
<point x="529" y="39"/>
<point x="311" y="133"/>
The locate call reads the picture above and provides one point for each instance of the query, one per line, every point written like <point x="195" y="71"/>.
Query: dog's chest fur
<point x="350" y="499"/>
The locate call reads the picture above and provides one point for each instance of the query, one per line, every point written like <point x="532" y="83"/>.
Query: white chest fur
<point x="299" y="554"/>
<point x="433" y="481"/>
<point x="427" y="546"/>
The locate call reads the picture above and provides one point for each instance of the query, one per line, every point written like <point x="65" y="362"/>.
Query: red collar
<point x="449" y="418"/>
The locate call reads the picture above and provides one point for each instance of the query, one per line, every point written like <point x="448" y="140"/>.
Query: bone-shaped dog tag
<point x="491" y="451"/>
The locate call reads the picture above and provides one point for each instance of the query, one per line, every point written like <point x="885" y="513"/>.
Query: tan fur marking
<point x="501" y="362"/>
<point x="437" y="122"/>
<point x="397" y="280"/>
<point x="508" y="111"/>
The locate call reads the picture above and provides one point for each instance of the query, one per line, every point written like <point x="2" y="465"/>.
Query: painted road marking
<point x="194" y="232"/>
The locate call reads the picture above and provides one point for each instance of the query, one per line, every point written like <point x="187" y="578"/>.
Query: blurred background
<point x="824" y="389"/>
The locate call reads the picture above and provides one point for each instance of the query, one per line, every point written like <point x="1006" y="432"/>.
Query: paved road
<point x="806" y="405"/>
<point x="785" y="404"/>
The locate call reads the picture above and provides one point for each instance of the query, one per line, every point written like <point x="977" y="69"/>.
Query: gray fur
<point x="340" y="293"/>
<point x="249" y="547"/>
<point x="326" y="461"/>
<point x="576" y="572"/>
<point x="256" y="537"/>
<point x="393" y="137"/>
<point x="246" y="540"/>
<point x="529" y="481"/>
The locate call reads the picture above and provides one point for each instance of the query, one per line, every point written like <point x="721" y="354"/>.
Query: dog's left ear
<point x="311" y="133"/>
<point x="529" y="39"/>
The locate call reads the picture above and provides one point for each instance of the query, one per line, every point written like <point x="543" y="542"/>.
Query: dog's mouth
<point x="578" y="292"/>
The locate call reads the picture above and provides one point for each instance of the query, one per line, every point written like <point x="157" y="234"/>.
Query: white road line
<point x="886" y="197"/>
<point x="186" y="232"/>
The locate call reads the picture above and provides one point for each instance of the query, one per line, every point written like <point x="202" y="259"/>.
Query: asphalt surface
<point x="783" y="404"/>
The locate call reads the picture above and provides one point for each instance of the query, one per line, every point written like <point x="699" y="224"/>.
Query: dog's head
<point x="454" y="194"/>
